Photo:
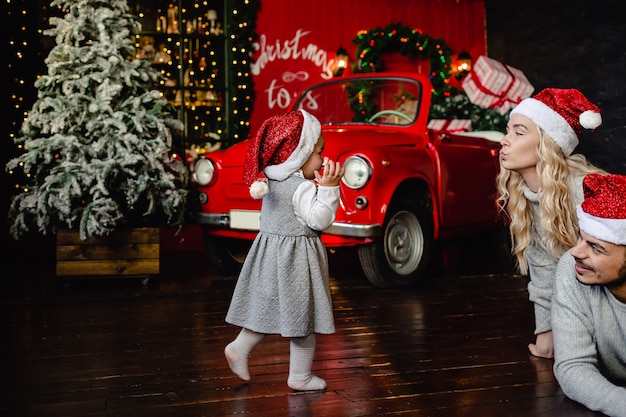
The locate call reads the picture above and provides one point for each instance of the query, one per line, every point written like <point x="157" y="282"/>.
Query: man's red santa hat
<point x="562" y="114"/>
<point x="602" y="214"/>
<point x="280" y="148"/>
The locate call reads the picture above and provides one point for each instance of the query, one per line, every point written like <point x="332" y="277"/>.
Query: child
<point x="283" y="285"/>
<point x="539" y="185"/>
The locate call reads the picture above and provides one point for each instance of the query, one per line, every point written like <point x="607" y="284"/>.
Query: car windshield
<point x="392" y="101"/>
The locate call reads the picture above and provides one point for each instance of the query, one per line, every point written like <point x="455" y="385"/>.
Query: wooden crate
<point x="124" y="253"/>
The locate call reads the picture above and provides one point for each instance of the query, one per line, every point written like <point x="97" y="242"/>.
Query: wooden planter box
<point x="124" y="253"/>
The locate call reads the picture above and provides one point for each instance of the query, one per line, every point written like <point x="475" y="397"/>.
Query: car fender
<point x="404" y="172"/>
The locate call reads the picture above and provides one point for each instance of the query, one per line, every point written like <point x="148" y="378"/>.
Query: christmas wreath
<point x="409" y="42"/>
<point x="447" y="102"/>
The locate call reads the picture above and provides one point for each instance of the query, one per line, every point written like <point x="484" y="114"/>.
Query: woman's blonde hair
<point x="558" y="175"/>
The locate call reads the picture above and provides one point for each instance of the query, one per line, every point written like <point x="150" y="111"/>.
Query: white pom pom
<point x="590" y="119"/>
<point x="259" y="189"/>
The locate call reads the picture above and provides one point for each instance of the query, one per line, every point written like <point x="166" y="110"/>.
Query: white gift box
<point x="450" y="126"/>
<point x="491" y="84"/>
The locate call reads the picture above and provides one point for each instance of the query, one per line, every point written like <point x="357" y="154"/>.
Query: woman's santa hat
<point x="602" y="214"/>
<point x="562" y="114"/>
<point x="280" y="148"/>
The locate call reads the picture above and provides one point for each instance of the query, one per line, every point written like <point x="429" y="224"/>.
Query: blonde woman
<point x="540" y="185"/>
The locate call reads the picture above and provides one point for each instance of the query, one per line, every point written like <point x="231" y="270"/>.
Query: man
<point x="589" y="301"/>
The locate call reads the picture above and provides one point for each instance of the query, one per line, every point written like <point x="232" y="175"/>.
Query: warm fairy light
<point x="230" y="127"/>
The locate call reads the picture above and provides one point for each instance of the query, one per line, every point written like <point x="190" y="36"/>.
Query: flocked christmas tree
<point x="97" y="140"/>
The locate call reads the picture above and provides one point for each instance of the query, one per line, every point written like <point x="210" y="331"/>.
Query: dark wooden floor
<point x="455" y="345"/>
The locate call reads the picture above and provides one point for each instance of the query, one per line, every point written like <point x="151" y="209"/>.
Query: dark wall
<point x="570" y="44"/>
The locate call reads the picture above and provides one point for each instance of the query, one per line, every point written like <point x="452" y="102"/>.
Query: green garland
<point x="447" y="102"/>
<point x="458" y="106"/>
<point x="409" y="42"/>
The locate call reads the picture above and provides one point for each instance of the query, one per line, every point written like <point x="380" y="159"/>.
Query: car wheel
<point x="400" y="255"/>
<point x="226" y="254"/>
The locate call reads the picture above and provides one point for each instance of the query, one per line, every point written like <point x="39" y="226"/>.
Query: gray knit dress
<point x="283" y="285"/>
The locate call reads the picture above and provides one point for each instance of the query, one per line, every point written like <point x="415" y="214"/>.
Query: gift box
<point x="494" y="85"/>
<point x="450" y="126"/>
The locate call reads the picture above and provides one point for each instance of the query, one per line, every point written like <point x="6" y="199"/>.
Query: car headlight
<point x="357" y="172"/>
<point x="204" y="171"/>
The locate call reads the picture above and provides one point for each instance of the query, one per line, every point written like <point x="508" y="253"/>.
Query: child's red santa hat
<point x="562" y="114"/>
<point x="603" y="212"/>
<point x="281" y="146"/>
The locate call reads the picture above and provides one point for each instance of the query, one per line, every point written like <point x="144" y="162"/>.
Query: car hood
<point x="339" y="141"/>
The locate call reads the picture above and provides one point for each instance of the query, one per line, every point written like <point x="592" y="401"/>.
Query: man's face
<point x="600" y="262"/>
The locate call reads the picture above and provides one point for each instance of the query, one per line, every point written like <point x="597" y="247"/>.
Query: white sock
<point x="238" y="350"/>
<point x="302" y="350"/>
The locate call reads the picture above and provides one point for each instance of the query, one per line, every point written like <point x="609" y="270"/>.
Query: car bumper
<point x="223" y="220"/>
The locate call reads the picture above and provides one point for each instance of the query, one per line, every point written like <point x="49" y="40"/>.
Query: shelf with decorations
<point x="201" y="49"/>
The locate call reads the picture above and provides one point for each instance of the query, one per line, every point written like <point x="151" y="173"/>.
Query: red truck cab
<point x="404" y="187"/>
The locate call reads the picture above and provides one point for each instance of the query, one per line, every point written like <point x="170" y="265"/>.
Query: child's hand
<point x="331" y="175"/>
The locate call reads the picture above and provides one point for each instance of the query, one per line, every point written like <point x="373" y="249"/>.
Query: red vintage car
<point x="404" y="187"/>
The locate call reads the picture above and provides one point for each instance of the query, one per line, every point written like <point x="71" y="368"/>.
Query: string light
<point x="410" y="42"/>
<point x="26" y="62"/>
<point x="27" y="48"/>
